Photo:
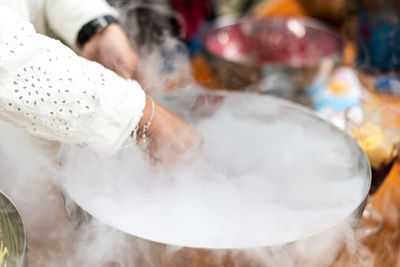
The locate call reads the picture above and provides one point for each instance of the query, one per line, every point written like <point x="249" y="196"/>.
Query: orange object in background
<point x="202" y="73"/>
<point x="279" y="8"/>
<point x="333" y="11"/>
<point x="349" y="54"/>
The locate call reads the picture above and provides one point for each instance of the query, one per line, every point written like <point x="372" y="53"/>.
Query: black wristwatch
<point x="94" y="26"/>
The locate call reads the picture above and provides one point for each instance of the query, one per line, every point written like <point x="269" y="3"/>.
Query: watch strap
<point x="94" y="26"/>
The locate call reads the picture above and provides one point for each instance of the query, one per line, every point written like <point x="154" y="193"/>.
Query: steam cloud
<point x="230" y="196"/>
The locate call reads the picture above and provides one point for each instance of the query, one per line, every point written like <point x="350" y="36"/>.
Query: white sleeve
<point x="66" y="17"/>
<point x="49" y="91"/>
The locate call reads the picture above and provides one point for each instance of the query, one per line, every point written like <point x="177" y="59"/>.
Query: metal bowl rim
<point x="282" y="102"/>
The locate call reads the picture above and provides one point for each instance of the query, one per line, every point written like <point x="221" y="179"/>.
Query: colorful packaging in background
<point x="332" y="99"/>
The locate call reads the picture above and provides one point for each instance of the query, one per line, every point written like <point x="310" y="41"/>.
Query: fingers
<point x="177" y="145"/>
<point x="170" y="137"/>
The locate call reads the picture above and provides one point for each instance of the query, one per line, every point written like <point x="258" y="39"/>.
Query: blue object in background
<point x="387" y="84"/>
<point x="379" y="46"/>
<point x="378" y="36"/>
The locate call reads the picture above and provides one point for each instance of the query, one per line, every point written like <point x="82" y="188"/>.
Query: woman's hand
<point x="168" y="135"/>
<point x="112" y="49"/>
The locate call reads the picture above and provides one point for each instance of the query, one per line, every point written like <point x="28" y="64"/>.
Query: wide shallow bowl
<point x="12" y="235"/>
<point x="280" y="56"/>
<point x="324" y="242"/>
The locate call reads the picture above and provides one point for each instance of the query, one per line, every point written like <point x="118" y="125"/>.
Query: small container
<point x="12" y="235"/>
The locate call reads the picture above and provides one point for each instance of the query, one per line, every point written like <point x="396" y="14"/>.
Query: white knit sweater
<point x="63" y="17"/>
<point x="49" y="91"/>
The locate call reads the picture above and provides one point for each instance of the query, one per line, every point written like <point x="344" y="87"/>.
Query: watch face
<point x="12" y="235"/>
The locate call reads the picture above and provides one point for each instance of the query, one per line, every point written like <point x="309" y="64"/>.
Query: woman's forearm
<point x="49" y="91"/>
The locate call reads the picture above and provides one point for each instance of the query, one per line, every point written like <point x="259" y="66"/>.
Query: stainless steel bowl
<point x="327" y="242"/>
<point x="12" y="235"/>
<point x="280" y="56"/>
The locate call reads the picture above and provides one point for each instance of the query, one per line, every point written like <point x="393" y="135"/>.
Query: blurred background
<point x="326" y="55"/>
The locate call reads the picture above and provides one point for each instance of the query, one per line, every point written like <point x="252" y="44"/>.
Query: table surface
<point x="381" y="249"/>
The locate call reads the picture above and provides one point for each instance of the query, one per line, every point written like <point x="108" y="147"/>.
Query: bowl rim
<point x="307" y="111"/>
